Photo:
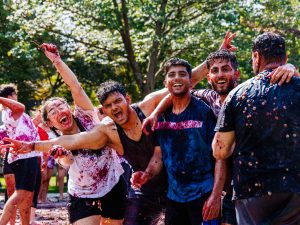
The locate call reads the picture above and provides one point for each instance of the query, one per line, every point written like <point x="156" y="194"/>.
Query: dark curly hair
<point x="177" y="62"/>
<point x="271" y="46"/>
<point x="7" y="90"/>
<point x="108" y="87"/>
<point x="223" y="55"/>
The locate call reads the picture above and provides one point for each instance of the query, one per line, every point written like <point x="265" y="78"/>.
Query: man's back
<point x="266" y="120"/>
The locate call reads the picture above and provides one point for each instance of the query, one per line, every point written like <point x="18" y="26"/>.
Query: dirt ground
<point x="54" y="216"/>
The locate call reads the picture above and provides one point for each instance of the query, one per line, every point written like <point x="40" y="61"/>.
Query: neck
<point x="180" y="103"/>
<point x="132" y="120"/>
<point x="272" y="65"/>
<point x="222" y="98"/>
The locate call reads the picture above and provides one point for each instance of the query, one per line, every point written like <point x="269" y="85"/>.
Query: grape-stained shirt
<point x="21" y="129"/>
<point x="94" y="172"/>
<point x="185" y="140"/>
<point x="266" y="121"/>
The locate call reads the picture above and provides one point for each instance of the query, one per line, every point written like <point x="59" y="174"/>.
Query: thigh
<point x="90" y="220"/>
<point x="113" y="203"/>
<point x="25" y="171"/>
<point x="176" y="213"/>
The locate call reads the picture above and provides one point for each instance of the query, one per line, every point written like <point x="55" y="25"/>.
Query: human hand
<point x="51" y="52"/>
<point x="211" y="208"/>
<point x="282" y="74"/>
<point x="149" y="121"/>
<point x="18" y="147"/>
<point x="139" y="178"/>
<point x="58" y="151"/>
<point x="227" y="42"/>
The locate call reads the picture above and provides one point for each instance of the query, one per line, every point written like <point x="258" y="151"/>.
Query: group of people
<point x="178" y="171"/>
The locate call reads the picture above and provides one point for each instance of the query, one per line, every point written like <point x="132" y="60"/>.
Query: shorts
<point x="187" y="213"/>
<point x="26" y="173"/>
<point x="6" y="166"/>
<point x="146" y="210"/>
<point x="37" y="188"/>
<point x="112" y="205"/>
<point x="276" y="209"/>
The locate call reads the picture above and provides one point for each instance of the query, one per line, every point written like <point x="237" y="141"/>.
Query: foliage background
<point x="129" y="40"/>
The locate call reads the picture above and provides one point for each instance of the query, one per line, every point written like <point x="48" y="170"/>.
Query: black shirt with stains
<point x="266" y="121"/>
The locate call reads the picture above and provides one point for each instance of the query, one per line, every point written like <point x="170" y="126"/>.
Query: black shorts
<point x="187" y="213"/>
<point x="26" y="172"/>
<point x="111" y="205"/>
<point x="228" y="209"/>
<point x="6" y="166"/>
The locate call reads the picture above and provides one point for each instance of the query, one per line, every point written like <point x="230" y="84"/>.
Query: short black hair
<point x="177" y="62"/>
<point x="222" y="55"/>
<point x="271" y="46"/>
<point x="7" y="90"/>
<point x="108" y="87"/>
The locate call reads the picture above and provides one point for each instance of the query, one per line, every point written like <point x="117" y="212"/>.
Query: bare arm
<point x="222" y="144"/>
<point x="212" y="206"/>
<point x="93" y="139"/>
<point x="79" y="96"/>
<point x="200" y="71"/>
<point x="16" y="107"/>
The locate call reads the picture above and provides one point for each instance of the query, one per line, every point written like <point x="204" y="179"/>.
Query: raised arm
<point x="79" y="96"/>
<point x="200" y="71"/>
<point x="16" y="107"/>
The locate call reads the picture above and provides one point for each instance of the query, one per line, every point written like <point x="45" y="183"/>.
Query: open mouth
<point x="64" y="120"/>
<point x="118" y="115"/>
<point x="177" y="85"/>
<point x="221" y="82"/>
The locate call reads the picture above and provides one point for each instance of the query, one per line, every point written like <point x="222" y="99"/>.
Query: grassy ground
<point x="52" y="186"/>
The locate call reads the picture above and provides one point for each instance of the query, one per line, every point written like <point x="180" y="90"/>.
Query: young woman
<point x="95" y="186"/>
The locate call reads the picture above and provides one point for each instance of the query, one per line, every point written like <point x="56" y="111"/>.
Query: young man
<point x="263" y="120"/>
<point x="25" y="167"/>
<point x="125" y="135"/>
<point x="184" y="133"/>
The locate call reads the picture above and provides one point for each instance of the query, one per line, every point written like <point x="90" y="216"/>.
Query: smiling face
<point x="59" y="115"/>
<point x="222" y="76"/>
<point x="178" y="80"/>
<point x="116" y="106"/>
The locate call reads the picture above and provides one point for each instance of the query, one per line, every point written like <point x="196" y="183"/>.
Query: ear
<point x="165" y="83"/>
<point x="256" y="58"/>
<point x="128" y="99"/>
<point x="49" y="124"/>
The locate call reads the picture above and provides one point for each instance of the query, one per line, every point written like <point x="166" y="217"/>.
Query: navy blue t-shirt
<point x="266" y="121"/>
<point x="185" y="140"/>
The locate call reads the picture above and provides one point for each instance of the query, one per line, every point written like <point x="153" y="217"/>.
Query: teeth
<point x="177" y="85"/>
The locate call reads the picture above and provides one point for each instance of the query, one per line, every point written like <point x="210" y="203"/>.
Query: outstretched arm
<point x="93" y="139"/>
<point x="16" y="107"/>
<point x="79" y="96"/>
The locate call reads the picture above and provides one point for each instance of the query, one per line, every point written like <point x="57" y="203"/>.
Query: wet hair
<point x="222" y="55"/>
<point x="109" y="87"/>
<point x="271" y="46"/>
<point x="177" y="62"/>
<point x="7" y="90"/>
<point x="44" y="110"/>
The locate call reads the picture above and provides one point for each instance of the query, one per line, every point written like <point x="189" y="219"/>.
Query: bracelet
<point x="33" y="146"/>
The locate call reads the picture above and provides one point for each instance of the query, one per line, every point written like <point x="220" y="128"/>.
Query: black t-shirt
<point x="266" y="121"/>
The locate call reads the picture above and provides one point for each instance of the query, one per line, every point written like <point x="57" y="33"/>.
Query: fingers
<point x="144" y="127"/>
<point x="283" y="79"/>
<point x="231" y="37"/>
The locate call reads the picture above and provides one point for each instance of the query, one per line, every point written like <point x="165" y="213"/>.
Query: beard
<point x="226" y="89"/>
